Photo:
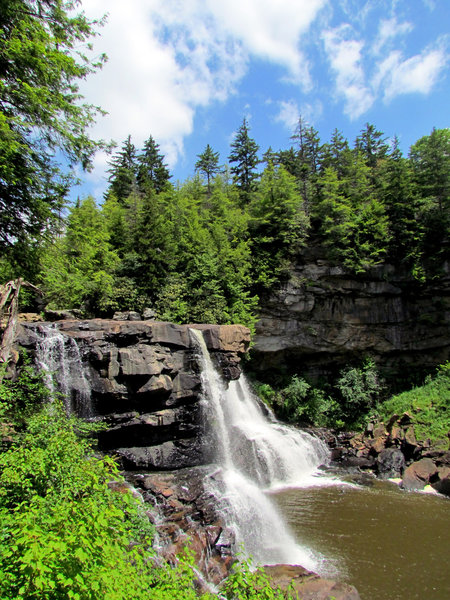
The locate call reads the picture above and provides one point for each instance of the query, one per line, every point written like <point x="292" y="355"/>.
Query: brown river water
<point x="390" y="544"/>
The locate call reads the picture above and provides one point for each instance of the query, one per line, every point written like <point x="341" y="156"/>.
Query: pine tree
<point x="208" y="164"/>
<point x="77" y="270"/>
<point x="153" y="173"/>
<point x="123" y="172"/>
<point x="430" y="161"/>
<point x="371" y="143"/>
<point x="400" y="200"/>
<point x="278" y="225"/>
<point x="430" y="158"/>
<point x="303" y="160"/>
<point x="244" y="152"/>
<point x="336" y="154"/>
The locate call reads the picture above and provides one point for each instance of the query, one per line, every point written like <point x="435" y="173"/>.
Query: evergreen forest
<point x="210" y="248"/>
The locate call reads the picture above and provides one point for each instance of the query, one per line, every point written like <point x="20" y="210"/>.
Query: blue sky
<point x="188" y="71"/>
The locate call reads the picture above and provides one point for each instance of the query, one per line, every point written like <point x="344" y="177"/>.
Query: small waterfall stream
<point x="255" y="454"/>
<point x="59" y="358"/>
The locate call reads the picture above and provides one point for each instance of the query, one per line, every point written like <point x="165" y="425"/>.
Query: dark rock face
<point x="145" y="383"/>
<point x="325" y="316"/>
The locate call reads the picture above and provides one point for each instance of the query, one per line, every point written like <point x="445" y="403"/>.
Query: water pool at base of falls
<point x="388" y="543"/>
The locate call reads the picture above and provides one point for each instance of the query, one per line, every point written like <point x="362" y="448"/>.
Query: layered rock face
<point x="325" y="317"/>
<point x="145" y="383"/>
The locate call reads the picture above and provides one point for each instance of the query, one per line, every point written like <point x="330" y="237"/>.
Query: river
<point x="390" y="544"/>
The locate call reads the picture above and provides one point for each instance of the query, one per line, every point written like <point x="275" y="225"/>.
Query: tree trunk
<point x="9" y="305"/>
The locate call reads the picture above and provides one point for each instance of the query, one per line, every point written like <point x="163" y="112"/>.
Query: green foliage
<point x="43" y="56"/>
<point x="77" y="270"/>
<point x="301" y="403"/>
<point x="208" y="164"/>
<point x="430" y="162"/>
<point x="278" y="226"/>
<point x="353" y="220"/>
<point x="66" y="533"/>
<point x="123" y="172"/>
<point x="152" y="171"/>
<point x="428" y="405"/>
<point x="20" y="398"/>
<point x="359" y="390"/>
<point x="344" y="403"/>
<point x="244" y="157"/>
<point x="246" y="583"/>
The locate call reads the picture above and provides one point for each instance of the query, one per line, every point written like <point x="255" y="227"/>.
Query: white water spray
<point x="59" y="358"/>
<point x="255" y="454"/>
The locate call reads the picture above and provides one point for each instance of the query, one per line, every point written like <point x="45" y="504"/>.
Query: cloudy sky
<point x="188" y="71"/>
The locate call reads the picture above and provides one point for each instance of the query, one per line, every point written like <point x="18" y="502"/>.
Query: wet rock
<point x="176" y="454"/>
<point x="390" y="463"/>
<point x="418" y="474"/>
<point x="359" y="461"/>
<point x="443" y="484"/>
<point x="147" y="372"/>
<point x="307" y="584"/>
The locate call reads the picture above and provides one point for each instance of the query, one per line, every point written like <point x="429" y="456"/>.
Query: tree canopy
<point x="43" y="56"/>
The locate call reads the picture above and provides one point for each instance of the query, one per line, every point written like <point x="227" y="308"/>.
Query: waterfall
<point x="254" y="454"/>
<point x="59" y="358"/>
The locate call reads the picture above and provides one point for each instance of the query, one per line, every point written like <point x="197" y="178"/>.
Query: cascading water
<point x="254" y="454"/>
<point x="59" y="358"/>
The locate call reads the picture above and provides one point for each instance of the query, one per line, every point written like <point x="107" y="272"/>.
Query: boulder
<point x="443" y="485"/>
<point x="169" y="455"/>
<point x="128" y="315"/>
<point x="148" y="314"/>
<point x="390" y="463"/>
<point x="418" y="474"/>
<point x="307" y="584"/>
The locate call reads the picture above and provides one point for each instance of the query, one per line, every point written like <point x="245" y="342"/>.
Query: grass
<point x="428" y="406"/>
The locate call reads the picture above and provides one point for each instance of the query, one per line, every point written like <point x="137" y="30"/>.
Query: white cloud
<point x="345" y="57"/>
<point x="289" y="113"/>
<point x="271" y="29"/>
<point x="417" y="74"/>
<point x="169" y="57"/>
<point x="388" y="30"/>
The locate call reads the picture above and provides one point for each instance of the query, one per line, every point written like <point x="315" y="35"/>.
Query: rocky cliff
<point x="144" y="382"/>
<point x="325" y="317"/>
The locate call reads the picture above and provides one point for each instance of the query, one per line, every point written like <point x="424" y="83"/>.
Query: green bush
<point x="359" y="389"/>
<point x="246" y="583"/>
<point x="428" y="405"/>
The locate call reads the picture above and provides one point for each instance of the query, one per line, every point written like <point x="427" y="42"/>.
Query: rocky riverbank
<point x="392" y="451"/>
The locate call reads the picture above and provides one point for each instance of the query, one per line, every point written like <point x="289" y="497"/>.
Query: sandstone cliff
<point x="325" y="317"/>
<point x="144" y="382"/>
